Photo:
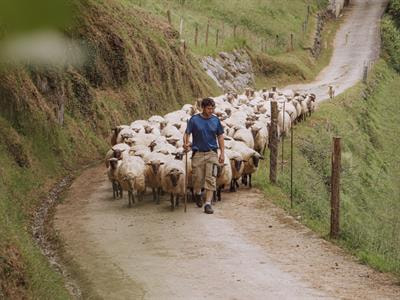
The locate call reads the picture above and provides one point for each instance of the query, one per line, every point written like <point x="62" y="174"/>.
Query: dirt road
<point x="249" y="249"/>
<point x="356" y="44"/>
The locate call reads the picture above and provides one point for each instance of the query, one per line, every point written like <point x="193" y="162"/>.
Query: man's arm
<point x="221" y="144"/>
<point x="186" y="144"/>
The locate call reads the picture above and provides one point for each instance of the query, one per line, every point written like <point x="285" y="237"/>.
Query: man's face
<point x="208" y="110"/>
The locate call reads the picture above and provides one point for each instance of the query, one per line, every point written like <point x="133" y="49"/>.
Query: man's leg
<point x="210" y="181"/>
<point x="198" y="169"/>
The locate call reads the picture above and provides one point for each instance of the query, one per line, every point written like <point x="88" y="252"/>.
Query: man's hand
<point x="221" y="158"/>
<point x="187" y="147"/>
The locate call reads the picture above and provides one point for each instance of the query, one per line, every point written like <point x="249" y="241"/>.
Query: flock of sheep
<point x="149" y="153"/>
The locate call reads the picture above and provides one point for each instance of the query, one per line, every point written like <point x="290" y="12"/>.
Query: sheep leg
<point x="115" y="191"/>
<point x="214" y="199"/>
<point x="250" y="181"/>
<point x="158" y="195"/>
<point x="140" y="195"/>
<point x="177" y="200"/>
<point x="154" y="194"/>
<point x="129" y="198"/>
<point x="244" y="179"/>
<point x="120" y="190"/>
<point x="172" y="202"/>
<point x="219" y="193"/>
<point x="232" y="186"/>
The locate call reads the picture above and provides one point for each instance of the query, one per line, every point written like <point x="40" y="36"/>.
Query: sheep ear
<point x="261" y="157"/>
<point x="161" y="163"/>
<point x="148" y="164"/>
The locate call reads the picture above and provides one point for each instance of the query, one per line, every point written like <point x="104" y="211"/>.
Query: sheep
<point x="311" y="105"/>
<point x="124" y="134"/>
<point x="224" y="175"/>
<point x="284" y="122"/>
<point x="112" y="171"/>
<point x="260" y="135"/>
<point x="152" y="174"/>
<point x="170" y="130"/>
<point x="251" y="158"/>
<point x="115" y="131"/>
<point x="116" y="151"/>
<point x="237" y="167"/>
<point x="164" y="148"/>
<point x="173" y="180"/>
<point x="244" y="135"/>
<point x="130" y="176"/>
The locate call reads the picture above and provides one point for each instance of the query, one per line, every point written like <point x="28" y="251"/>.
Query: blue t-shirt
<point x="204" y="132"/>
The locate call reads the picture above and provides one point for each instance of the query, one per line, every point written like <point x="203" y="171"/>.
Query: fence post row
<point x="335" y="188"/>
<point x="196" y="35"/>
<point x="207" y="30"/>
<point x="169" y="17"/>
<point x="273" y="142"/>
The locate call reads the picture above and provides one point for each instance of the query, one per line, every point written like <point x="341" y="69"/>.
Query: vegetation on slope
<point x="135" y="68"/>
<point x="391" y="34"/>
<point x="263" y="27"/>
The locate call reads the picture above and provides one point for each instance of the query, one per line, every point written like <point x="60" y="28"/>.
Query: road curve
<point x="249" y="249"/>
<point x="356" y="44"/>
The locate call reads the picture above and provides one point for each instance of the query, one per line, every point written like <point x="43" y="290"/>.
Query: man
<point x="206" y="128"/>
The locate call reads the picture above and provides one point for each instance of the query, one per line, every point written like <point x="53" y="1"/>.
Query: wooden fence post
<point x="291" y="166"/>
<point x="335" y="188"/>
<point x="196" y="35"/>
<point x="283" y="133"/>
<point x="365" y="73"/>
<point x="291" y="42"/>
<point x="181" y="27"/>
<point x="273" y="142"/>
<point x="216" y="38"/>
<point x="207" y="30"/>
<point x="234" y="30"/>
<point x="277" y="40"/>
<point x="169" y="17"/>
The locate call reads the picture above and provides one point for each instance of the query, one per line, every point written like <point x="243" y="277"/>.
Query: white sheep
<point x="224" y="175"/>
<point x="114" y="164"/>
<point x="131" y="177"/>
<point x="154" y="163"/>
<point x="173" y="180"/>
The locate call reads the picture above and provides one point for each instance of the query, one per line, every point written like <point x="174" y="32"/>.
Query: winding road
<point x="249" y="248"/>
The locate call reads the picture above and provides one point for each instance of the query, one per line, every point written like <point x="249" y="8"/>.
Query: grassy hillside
<point x="367" y="119"/>
<point x="263" y="27"/>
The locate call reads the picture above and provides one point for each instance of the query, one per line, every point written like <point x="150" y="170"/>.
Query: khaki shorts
<point x="202" y="165"/>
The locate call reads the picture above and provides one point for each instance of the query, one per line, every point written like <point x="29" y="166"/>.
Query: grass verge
<point x="366" y="117"/>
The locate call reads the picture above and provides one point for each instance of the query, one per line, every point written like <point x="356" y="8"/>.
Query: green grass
<point x="257" y="22"/>
<point x="367" y="119"/>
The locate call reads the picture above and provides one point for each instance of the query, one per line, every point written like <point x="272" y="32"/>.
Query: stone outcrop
<point x="231" y="71"/>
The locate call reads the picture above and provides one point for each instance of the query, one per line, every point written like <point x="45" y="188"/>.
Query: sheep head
<point x="113" y="162"/>
<point x="148" y="129"/>
<point x="255" y="130"/>
<point x="155" y="166"/>
<point x="174" y="176"/>
<point x="117" y="153"/>
<point x="237" y="163"/>
<point x="256" y="159"/>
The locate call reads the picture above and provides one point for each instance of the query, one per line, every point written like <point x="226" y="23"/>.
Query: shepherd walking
<point x="206" y="129"/>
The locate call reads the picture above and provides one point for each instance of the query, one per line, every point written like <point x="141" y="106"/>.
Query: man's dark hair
<point x="207" y="102"/>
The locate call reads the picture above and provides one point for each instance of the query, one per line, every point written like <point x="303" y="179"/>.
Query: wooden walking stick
<point x="186" y="177"/>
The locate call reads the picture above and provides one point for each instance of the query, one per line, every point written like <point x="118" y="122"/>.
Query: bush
<point x="391" y="41"/>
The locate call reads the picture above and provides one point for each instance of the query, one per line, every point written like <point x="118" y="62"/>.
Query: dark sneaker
<point x="199" y="200"/>
<point x="208" y="209"/>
